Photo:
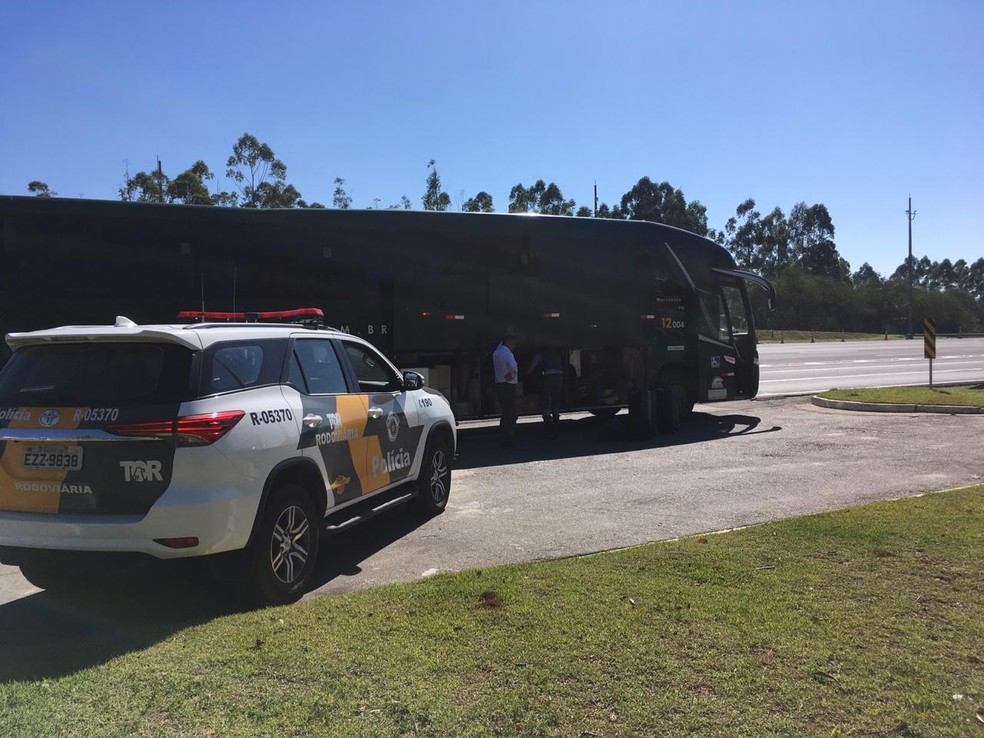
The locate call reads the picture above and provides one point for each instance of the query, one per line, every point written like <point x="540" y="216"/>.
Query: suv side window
<point x="235" y="365"/>
<point x="314" y="368"/>
<point x="372" y="370"/>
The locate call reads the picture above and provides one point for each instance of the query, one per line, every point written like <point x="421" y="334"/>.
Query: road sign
<point x="929" y="345"/>
<point x="929" y="339"/>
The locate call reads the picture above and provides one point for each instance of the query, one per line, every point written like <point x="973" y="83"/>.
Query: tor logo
<point x="49" y="418"/>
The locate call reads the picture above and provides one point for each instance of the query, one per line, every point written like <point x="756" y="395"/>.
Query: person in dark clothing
<point x="550" y="365"/>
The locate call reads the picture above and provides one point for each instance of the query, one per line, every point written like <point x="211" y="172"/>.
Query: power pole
<point x="910" y="215"/>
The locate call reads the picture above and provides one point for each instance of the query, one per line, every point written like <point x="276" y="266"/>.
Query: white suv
<point x="240" y="441"/>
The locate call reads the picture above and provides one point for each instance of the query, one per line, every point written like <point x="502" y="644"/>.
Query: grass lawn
<point x="767" y="335"/>
<point x="863" y="622"/>
<point x="970" y="396"/>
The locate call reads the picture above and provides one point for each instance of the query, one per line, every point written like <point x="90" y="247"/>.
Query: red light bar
<point x="300" y="313"/>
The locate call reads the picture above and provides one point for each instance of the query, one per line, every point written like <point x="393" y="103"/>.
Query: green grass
<point x="968" y="396"/>
<point x="863" y="622"/>
<point x="767" y="335"/>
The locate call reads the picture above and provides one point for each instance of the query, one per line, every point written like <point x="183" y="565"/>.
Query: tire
<point x="606" y="413"/>
<point x="434" y="482"/>
<point x="55" y="577"/>
<point x="284" y="550"/>
<point x="683" y="401"/>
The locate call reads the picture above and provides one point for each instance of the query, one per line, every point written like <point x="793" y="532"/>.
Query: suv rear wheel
<point x="54" y="576"/>
<point x="285" y="548"/>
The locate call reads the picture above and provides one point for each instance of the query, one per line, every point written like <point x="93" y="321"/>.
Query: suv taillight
<point x="190" y="430"/>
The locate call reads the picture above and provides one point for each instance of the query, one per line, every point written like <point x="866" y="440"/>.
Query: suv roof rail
<point x="308" y="317"/>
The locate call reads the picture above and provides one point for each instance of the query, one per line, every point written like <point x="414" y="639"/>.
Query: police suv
<point x="239" y="441"/>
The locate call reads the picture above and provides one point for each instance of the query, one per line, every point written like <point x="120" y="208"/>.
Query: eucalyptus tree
<point x="434" y="197"/>
<point x="40" y="189"/>
<point x="340" y="198"/>
<point x="540" y="197"/>
<point x="743" y="233"/>
<point x="257" y="172"/>
<point x="811" y="232"/>
<point x="189" y="187"/>
<point x="481" y="203"/>
<point x="663" y="203"/>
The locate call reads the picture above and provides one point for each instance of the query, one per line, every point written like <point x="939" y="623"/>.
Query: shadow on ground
<point x="590" y="436"/>
<point x="45" y="636"/>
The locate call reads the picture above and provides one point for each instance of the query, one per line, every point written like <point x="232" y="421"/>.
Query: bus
<point x="632" y="306"/>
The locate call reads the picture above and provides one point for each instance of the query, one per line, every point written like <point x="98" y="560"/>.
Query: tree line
<point x="816" y="287"/>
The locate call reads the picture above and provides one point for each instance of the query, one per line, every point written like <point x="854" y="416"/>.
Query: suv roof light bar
<point x="300" y="315"/>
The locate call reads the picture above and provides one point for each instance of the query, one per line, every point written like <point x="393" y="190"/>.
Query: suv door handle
<point x="312" y="420"/>
<point x="375" y="412"/>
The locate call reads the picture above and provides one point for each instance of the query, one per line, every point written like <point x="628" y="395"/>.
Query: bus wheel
<point x="434" y="482"/>
<point x="604" y="412"/>
<point x="683" y="403"/>
<point x="285" y="549"/>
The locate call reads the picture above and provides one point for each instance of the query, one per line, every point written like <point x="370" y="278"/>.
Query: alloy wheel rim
<point x="290" y="544"/>
<point x="438" y="479"/>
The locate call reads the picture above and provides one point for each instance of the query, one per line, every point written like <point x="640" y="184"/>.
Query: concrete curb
<point x="884" y="407"/>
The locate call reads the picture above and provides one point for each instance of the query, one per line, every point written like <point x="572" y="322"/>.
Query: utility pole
<point x="596" y="199"/>
<point x="910" y="214"/>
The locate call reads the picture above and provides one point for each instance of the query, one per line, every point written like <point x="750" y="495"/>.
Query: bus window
<point x="736" y="309"/>
<point x="713" y="321"/>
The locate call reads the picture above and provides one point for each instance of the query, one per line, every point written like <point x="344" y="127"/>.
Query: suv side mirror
<point x="412" y="381"/>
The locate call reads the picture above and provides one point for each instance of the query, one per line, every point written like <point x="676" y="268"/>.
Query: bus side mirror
<point x="412" y="381"/>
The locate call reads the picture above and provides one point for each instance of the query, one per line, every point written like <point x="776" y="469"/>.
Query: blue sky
<point x="852" y="104"/>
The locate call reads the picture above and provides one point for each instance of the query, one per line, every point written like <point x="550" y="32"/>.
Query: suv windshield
<point x="117" y="374"/>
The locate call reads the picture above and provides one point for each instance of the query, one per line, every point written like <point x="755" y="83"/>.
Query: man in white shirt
<point x="506" y="378"/>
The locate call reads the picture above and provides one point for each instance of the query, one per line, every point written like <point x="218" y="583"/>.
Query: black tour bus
<point x="632" y="306"/>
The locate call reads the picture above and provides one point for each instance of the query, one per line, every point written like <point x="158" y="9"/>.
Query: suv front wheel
<point x="434" y="482"/>
<point x="284" y="551"/>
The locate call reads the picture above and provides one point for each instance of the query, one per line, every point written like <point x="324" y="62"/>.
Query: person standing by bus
<point x="551" y="366"/>
<point x="506" y="378"/>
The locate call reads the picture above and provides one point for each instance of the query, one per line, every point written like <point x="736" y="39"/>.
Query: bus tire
<point x="434" y="481"/>
<point x="605" y="413"/>
<point x="673" y="387"/>
<point x="284" y="550"/>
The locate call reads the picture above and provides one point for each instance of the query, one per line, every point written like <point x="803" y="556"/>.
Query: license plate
<point x="61" y="458"/>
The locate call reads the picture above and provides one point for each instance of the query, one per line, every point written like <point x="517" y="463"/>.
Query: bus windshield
<point x="736" y="310"/>
<point x="722" y="314"/>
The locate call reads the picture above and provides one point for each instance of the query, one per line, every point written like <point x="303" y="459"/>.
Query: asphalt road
<point x="798" y="368"/>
